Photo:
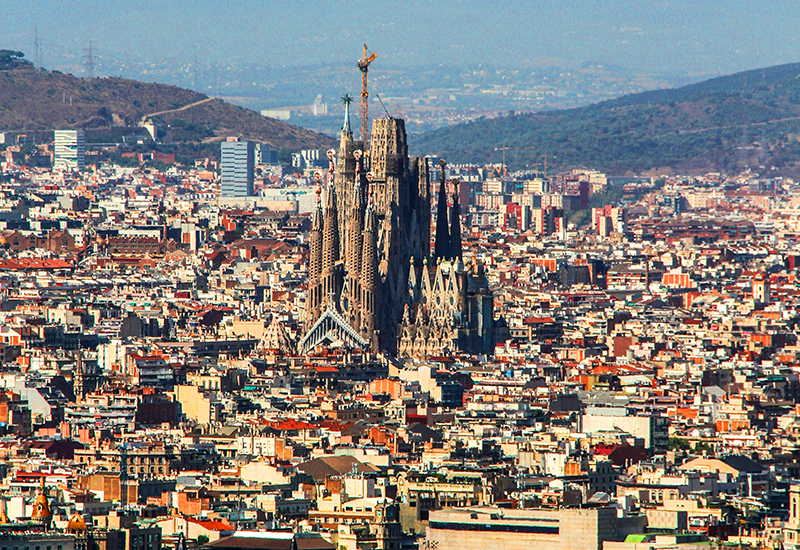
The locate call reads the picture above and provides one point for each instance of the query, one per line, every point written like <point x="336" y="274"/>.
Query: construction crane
<point x="504" y="149"/>
<point x="363" y="64"/>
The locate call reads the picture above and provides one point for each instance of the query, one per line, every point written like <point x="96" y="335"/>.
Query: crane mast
<point x="363" y="64"/>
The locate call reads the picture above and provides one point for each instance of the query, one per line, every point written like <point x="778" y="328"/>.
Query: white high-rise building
<point x="70" y="150"/>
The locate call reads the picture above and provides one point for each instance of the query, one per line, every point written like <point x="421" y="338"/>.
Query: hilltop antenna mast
<point x="89" y="60"/>
<point x="363" y="64"/>
<point x="37" y="49"/>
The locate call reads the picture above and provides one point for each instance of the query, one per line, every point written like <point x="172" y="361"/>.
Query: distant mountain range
<point x="746" y="120"/>
<point x="35" y="101"/>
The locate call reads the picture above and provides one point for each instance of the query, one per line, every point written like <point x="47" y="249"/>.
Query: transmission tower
<point x="37" y="49"/>
<point x="89" y="60"/>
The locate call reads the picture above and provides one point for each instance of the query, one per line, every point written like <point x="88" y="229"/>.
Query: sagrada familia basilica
<point x="373" y="281"/>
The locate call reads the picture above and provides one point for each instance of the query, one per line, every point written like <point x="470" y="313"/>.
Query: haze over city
<point x="692" y="38"/>
<point x="399" y="275"/>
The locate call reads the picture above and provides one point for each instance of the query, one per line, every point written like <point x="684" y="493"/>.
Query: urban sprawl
<point x="366" y="351"/>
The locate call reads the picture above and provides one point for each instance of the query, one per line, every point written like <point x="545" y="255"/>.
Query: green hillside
<point x="750" y="119"/>
<point x="38" y="101"/>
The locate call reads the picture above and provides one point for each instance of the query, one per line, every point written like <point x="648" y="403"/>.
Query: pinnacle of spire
<point x="316" y="222"/>
<point x="346" y="131"/>
<point x="370" y="206"/>
<point x="330" y="197"/>
<point x="370" y="217"/>
<point x="331" y="164"/>
<point x="357" y="189"/>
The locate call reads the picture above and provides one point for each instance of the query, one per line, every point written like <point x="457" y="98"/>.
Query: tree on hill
<point x="11" y="58"/>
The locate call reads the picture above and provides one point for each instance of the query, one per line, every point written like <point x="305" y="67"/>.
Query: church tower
<point x="355" y="243"/>
<point x="369" y="274"/>
<point x="366" y="287"/>
<point x="455" y="225"/>
<point x="41" y="508"/>
<point x="441" y="247"/>
<point x="761" y="289"/>
<point x="314" y="297"/>
<point x="330" y="244"/>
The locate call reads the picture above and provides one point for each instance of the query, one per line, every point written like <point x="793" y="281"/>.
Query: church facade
<point x="373" y="282"/>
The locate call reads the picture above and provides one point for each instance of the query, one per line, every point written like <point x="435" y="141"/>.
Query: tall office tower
<point x="238" y="168"/>
<point x="70" y="150"/>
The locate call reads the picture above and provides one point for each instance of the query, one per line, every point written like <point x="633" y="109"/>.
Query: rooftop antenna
<point x="89" y="60"/>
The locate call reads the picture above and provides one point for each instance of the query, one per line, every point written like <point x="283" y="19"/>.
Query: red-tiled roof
<point x="211" y="524"/>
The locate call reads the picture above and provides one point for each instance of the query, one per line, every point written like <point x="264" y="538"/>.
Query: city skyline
<point x="491" y="307"/>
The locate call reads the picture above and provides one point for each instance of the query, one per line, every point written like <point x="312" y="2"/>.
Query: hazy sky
<point x="689" y="37"/>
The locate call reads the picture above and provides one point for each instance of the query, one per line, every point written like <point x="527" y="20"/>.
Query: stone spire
<point x="330" y="241"/>
<point x="347" y="133"/>
<point x="41" y="508"/>
<point x="455" y="225"/>
<point x="315" y="239"/>
<point x="442" y="244"/>
<point x="355" y="242"/>
<point x="314" y="297"/>
<point x="369" y="273"/>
